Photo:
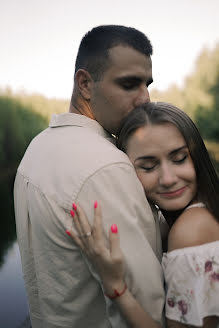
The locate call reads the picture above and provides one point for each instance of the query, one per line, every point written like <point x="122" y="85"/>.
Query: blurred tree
<point x="197" y="84"/>
<point x="207" y="117"/>
<point x="173" y="95"/>
<point x="38" y="103"/>
<point x="199" y="97"/>
<point x="18" y="126"/>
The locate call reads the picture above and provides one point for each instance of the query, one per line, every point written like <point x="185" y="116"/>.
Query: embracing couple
<point x="116" y="203"/>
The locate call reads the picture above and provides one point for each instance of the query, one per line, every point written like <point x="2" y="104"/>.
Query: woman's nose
<point x="167" y="177"/>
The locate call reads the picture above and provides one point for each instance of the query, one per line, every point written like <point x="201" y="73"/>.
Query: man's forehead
<point x="125" y="50"/>
<point x="126" y="61"/>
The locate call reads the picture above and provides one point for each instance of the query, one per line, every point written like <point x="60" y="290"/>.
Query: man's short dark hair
<point x="93" y="51"/>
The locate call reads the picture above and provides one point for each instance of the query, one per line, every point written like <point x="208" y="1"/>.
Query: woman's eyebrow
<point x="143" y="158"/>
<point x="178" y="149"/>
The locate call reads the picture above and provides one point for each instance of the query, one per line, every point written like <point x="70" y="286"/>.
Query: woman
<point x="178" y="177"/>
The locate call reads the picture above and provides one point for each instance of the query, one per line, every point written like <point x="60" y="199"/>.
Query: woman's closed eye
<point x="149" y="166"/>
<point x="180" y="158"/>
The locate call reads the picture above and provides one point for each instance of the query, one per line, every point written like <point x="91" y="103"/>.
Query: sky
<point x="39" y="39"/>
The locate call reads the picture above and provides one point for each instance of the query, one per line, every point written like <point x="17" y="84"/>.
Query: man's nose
<point x="142" y="96"/>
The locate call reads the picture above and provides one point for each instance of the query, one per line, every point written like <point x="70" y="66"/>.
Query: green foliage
<point x="207" y="119"/>
<point x="37" y="103"/>
<point x="18" y="126"/>
<point x="208" y="123"/>
<point x="172" y="95"/>
<point x="199" y="97"/>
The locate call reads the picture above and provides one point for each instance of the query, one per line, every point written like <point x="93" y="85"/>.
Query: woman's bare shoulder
<point x="195" y="226"/>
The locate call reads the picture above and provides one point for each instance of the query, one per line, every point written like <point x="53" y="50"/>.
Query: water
<point x="13" y="301"/>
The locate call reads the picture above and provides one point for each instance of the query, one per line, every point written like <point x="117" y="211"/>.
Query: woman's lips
<point x="172" y="194"/>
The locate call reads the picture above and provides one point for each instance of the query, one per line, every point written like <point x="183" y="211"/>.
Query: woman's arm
<point x="196" y="226"/>
<point x="109" y="264"/>
<point x="134" y="313"/>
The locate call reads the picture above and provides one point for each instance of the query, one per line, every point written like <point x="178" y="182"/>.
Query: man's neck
<point x="82" y="107"/>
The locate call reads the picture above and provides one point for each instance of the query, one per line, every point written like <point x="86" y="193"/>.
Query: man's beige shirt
<point x="75" y="160"/>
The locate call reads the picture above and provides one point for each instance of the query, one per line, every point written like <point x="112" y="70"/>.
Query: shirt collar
<point x="72" y="119"/>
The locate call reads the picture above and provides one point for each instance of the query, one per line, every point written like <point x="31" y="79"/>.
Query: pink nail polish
<point x="72" y="213"/>
<point x="114" y="228"/>
<point x="74" y="206"/>
<point x="68" y="232"/>
<point x="95" y="204"/>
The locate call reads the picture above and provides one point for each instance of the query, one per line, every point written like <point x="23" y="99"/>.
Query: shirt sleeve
<point x="192" y="283"/>
<point x="123" y="202"/>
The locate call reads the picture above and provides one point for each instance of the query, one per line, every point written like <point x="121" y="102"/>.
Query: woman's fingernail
<point x="95" y="204"/>
<point x="72" y="213"/>
<point x="74" y="206"/>
<point x="68" y="232"/>
<point x="114" y="228"/>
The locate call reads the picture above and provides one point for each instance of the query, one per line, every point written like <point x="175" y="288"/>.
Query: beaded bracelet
<point x="116" y="293"/>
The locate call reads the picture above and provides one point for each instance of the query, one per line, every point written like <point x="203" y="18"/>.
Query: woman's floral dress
<point x="192" y="282"/>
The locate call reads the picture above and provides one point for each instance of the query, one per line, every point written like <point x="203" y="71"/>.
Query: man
<point x="75" y="161"/>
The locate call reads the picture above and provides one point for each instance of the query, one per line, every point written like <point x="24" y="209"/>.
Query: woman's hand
<point x="108" y="262"/>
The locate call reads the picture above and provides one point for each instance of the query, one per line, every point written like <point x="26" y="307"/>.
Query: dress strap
<point x="195" y="205"/>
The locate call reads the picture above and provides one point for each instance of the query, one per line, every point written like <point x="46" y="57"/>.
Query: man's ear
<point x="84" y="82"/>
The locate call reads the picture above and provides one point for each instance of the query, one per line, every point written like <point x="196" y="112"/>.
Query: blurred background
<point x="39" y="41"/>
